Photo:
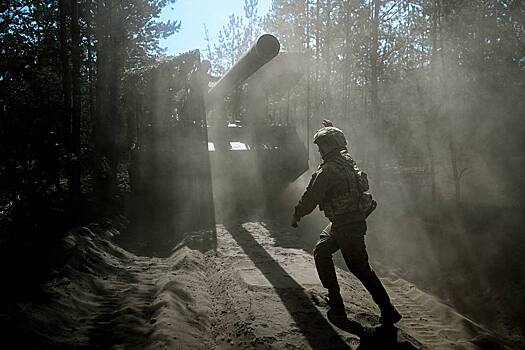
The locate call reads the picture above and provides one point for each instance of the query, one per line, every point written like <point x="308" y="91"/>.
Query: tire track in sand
<point x="436" y="325"/>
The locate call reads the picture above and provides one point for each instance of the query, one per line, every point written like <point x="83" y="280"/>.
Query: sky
<point x="193" y="14"/>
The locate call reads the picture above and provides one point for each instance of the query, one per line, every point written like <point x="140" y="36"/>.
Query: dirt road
<point x="259" y="290"/>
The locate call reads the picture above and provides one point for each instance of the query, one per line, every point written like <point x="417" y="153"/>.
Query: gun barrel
<point x="261" y="52"/>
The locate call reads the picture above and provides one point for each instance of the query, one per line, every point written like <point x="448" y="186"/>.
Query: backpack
<point x="366" y="203"/>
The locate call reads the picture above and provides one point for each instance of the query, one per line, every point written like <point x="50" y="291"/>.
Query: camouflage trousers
<point x="350" y="238"/>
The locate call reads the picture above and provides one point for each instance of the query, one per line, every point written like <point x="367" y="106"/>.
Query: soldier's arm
<point x="314" y="193"/>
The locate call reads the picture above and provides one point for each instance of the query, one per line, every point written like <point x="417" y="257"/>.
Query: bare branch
<point x="388" y="11"/>
<point x="7" y="22"/>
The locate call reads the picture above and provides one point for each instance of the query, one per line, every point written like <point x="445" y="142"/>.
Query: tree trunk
<point x="455" y="170"/>
<point x="374" y="95"/>
<point x="66" y="90"/>
<point x="374" y="47"/>
<point x="328" y="61"/>
<point x="102" y="184"/>
<point x="114" y="91"/>
<point x="346" y="69"/>
<point x="308" y="80"/>
<point x="90" y="67"/>
<point x="317" y="99"/>
<point x="76" y="58"/>
<point x="444" y="86"/>
<point x="101" y="78"/>
<point x="436" y="14"/>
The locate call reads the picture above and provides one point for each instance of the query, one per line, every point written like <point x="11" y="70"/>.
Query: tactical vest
<point x="349" y="200"/>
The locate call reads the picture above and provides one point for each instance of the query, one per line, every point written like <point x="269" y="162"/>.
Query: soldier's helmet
<point x="333" y="134"/>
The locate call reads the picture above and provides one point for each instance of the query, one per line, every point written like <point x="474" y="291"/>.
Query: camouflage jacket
<point x="339" y="188"/>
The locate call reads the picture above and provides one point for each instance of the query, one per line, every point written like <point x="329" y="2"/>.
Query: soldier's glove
<point x="295" y="221"/>
<point x="327" y="123"/>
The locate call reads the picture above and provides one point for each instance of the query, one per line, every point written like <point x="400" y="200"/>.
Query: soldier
<point x="340" y="190"/>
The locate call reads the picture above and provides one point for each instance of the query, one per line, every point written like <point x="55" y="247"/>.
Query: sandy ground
<point x="258" y="291"/>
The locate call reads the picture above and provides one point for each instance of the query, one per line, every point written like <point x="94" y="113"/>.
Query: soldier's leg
<point x="351" y="240"/>
<point x="323" y="251"/>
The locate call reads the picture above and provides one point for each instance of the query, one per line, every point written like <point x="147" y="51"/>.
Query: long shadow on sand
<point x="311" y="322"/>
<point x="382" y="337"/>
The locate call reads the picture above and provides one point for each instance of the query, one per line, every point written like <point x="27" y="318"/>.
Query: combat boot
<point x="335" y="300"/>
<point x="389" y="315"/>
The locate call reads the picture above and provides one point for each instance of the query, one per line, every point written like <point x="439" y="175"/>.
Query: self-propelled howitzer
<point x="254" y="152"/>
<point x="265" y="48"/>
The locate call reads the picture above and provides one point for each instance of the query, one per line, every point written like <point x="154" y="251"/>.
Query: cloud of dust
<point x="444" y="156"/>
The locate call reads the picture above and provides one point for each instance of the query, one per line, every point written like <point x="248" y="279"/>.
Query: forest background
<point x="430" y="93"/>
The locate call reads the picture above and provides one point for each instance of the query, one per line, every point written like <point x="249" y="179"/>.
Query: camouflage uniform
<point x="333" y="187"/>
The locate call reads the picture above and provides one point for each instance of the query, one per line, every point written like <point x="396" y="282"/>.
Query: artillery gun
<point x="254" y="155"/>
<point x="188" y="137"/>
